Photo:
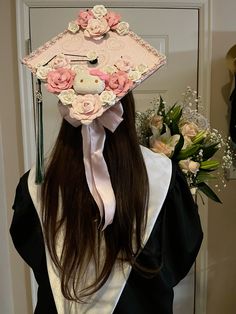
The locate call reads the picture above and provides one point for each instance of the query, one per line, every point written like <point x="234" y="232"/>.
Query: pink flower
<point x="124" y="64"/>
<point x="96" y="72"/>
<point x="162" y="148"/>
<point x="96" y="28"/>
<point x="59" y="80"/>
<point x="189" y="129"/>
<point x="119" y="83"/>
<point x="112" y="19"/>
<point x="188" y="165"/>
<point x="86" y="108"/>
<point x="84" y="17"/>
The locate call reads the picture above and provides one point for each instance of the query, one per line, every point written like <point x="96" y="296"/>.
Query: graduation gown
<point x="173" y="237"/>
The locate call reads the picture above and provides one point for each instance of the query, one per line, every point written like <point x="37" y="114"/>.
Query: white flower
<point x="67" y="96"/>
<point x="110" y="69"/>
<point x="99" y="11"/>
<point x="142" y="68"/>
<point x="73" y="27"/>
<point x="60" y="61"/>
<point x="122" y="28"/>
<point x="92" y="55"/>
<point x="78" y="68"/>
<point x="108" y="97"/>
<point x="187" y="142"/>
<point x="42" y="72"/>
<point x="134" y="76"/>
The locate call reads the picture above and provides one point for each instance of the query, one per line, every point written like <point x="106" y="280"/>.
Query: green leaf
<point x="178" y="146"/>
<point x="174" y="114"/>
<point x="209" y="165"/>
<point x="188" y="152"/>
<point x="209" y="151"/>
<point x="161" y="109"/>
<point x="203" y="176"/>
<point x="199" y="138"/>
<point x="208" y="192"/>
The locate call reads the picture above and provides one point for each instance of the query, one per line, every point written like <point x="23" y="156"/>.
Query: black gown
<point x="174" y="243"/>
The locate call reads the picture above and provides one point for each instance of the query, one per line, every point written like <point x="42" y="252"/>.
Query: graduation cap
<point x="90" y="67"/>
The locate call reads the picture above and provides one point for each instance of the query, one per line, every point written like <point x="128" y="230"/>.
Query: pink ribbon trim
<point x="96" y="171"/>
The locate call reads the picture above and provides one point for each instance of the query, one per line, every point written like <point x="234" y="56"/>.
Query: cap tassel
<point x="39" y="135"/>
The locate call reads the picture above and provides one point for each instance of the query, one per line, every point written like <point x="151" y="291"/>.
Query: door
<point x="173" y="32"/>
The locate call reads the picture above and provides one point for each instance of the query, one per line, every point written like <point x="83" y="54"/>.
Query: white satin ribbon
<point x="96" y="170"/>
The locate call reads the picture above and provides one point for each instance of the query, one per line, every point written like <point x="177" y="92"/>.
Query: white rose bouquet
<point x="184" y="135"/>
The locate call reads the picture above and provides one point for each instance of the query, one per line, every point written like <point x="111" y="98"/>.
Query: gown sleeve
<point x="172" y="248"/>
<point x="181" y="229"/>
<point x="28" y="240"/>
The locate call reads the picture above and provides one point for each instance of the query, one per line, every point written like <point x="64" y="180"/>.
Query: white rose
<point x="77" y="68"/>
<point x="73" y="27"/>
<point x="122" y="28"/>
<point x="110" y="69"/>
<point x="42" y="72"/>
<point x="134" y="76"/>
<point x="99" y="11"/>
<point x="142" y="68"/>
<point x="92" y="55"/>
<point x="108" y="97"/>
<point x="67" y="96"/>
<point x="60" y="61"/>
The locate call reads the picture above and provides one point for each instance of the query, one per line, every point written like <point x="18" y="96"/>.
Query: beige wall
<point x="12" y="154"/>
<point x="222" y="218"/>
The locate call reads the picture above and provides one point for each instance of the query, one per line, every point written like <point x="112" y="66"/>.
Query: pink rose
<point x="84" y="17"/>
<point x="188" y="165"/>
<point x="162" y="148"/>
<point x="119" y="83"/>
<point x="124" y="64"/>
<point x="96" y="28"/>
<point x="112" y="19"/>
<point x="86" y="108"/>
<point x="60" y="80"/>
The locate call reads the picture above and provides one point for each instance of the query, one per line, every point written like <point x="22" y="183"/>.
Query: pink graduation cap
<point x="90" y="66"/>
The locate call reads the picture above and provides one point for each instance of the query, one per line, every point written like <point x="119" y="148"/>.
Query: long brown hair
<point x="79" y="215"/>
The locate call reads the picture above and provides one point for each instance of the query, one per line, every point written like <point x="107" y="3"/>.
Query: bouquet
<point x="184" y="135"/>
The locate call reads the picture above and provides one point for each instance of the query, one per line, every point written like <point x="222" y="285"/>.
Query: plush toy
<point x="86" y="83"/>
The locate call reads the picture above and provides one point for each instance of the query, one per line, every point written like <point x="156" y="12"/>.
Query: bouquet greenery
<point x="184" y="135"/>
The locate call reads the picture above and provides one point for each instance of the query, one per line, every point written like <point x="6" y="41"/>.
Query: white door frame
<point x="204" y="83"/>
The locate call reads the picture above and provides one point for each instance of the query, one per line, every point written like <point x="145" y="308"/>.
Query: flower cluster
<point x="96" y="22"/>
<point x="88" y="92"/>
<point x="184" y="135"/>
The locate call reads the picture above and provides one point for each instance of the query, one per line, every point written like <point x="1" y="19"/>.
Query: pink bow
<point x="96" y="170"/>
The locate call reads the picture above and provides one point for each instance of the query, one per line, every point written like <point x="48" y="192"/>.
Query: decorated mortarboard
<point x="90" y="67"/>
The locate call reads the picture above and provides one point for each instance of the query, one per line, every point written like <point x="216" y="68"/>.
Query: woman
<point x="133" y="264"/>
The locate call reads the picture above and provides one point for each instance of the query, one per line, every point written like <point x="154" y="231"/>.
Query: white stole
<point x="104" y="301"/>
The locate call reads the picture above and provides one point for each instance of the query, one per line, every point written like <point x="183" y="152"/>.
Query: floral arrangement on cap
<point x="96" y="22"/>
<point x="89" y="91"/>
<point x="184" y="135"/>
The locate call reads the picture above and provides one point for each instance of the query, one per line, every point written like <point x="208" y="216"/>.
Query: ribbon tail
<point x="96" y="171"/>
<point x="85" y="130"/>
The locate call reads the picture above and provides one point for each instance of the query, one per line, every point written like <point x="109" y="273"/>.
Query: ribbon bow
<point x="96" y="171"/>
